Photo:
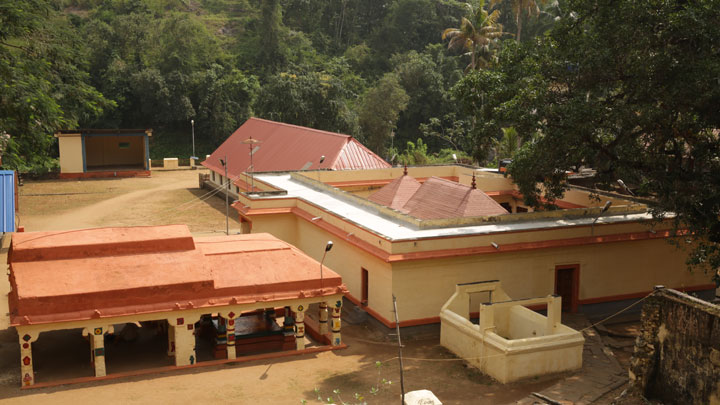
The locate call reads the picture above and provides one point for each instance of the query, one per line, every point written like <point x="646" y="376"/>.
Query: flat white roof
<point x="396" y="231"/>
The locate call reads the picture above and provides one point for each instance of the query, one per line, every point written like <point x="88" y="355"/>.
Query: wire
<point x="502" y="354"/>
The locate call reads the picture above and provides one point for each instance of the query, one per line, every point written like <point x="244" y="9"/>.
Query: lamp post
<point x="227" y="191"/>
<point x="192" y="123"/>
<point x="250" y="142"/>
<point x="327" y="249"/>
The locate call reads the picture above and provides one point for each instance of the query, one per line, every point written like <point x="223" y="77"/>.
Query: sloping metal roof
<point x="285" y="147"/>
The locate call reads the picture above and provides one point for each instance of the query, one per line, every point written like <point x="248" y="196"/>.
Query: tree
<point x="308" y="98"/>
<point x="44" y="83"/>
<point x="644" y="111"/>
<point x="477" y="32"/>
<point x="379" y="111"/>
<point x="520" y="9"/>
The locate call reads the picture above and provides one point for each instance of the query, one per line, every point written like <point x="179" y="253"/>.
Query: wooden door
<point x="566" y="286"/>
<point x="364" y="286"/>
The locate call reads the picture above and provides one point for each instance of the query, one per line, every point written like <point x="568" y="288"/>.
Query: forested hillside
<point x="376" y="69"/>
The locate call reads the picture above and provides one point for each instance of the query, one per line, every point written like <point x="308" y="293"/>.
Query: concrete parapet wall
<point x="677" y="356"/>
<point x="549" y="348"/>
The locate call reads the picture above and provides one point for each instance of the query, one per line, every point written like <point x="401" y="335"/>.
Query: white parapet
<point x="510" y="342"/>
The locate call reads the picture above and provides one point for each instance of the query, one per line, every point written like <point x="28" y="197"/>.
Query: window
<point x="124" y="145"/>
<point x="213" y="176"/>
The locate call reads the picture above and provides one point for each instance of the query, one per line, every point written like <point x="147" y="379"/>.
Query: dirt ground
<point x="172" y="197"/>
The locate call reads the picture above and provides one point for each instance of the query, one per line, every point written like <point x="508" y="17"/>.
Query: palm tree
<point x="519" y="8"/>
<point x="477" y="32"/>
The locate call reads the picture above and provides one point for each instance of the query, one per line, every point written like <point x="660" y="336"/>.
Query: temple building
<point x="224" y="293"/>
<point x="267" y="146"/>
<point x="420" y="232"/>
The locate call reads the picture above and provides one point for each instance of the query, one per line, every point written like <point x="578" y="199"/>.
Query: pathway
<point x="600" y="374"/>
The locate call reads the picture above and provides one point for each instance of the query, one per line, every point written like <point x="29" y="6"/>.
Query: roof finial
<point x="473" y="185"/>
<point x="405" y="171"/>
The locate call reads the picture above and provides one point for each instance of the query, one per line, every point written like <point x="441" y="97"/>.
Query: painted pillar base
<point x="336" y="323"/>
<point x="299" y="327"/>
<point x="27" y="375"/>
<point x="184" y="328"/>
<point x="171" y="340"/>
<point x="323" y="318"/>
<point x="231" y="351"/>
<point x="97" y="347"/>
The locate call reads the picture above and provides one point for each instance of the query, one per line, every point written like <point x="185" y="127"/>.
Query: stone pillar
<point x="323" y="318"/>
<point x="231" y="352"/>
<point x="27" y="376"/>
<point x="171" y="340"/>
<point x="299" y="327"/>
<point x="336" y="323"/>
<point x="97" y="347"/>
<point x="554" y="314"/>
<point x="184" y="336"/>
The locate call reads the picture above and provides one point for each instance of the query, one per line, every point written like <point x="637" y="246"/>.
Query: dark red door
<point x="566" y="286"/>
<point x="364" y="286"/>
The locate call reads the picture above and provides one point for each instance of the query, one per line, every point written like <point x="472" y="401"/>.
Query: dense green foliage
<point x="629" y="88"/>
<point x="160" y="63"/>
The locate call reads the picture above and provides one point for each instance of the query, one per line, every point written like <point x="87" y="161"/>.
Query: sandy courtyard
<point x="173" y="197"/>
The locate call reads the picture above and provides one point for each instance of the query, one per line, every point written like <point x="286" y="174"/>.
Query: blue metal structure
<point x="7" y="205"/>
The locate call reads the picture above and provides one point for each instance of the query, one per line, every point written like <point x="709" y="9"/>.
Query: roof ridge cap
<point x="299" y="127"/>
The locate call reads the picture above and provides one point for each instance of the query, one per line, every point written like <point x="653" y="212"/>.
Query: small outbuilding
<point x="104" y="152"/>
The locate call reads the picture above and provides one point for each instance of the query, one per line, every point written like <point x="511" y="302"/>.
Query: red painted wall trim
<point x="106" y="174"/>
<point x="370" y="311"/>
<point x="537" y="307"/>
<point x="621" y="297"/>
<point x="446" y="253"/>
<point x="334" y="230"/>
<point x="523" y="246"/>
<point x="356" y="183"/>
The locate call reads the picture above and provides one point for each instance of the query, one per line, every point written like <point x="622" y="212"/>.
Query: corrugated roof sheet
<point x="285" y="147"/>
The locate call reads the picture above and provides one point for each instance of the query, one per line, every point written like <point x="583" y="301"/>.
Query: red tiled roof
<point x="74" y="275"/>
<point x="285" y="147"/>
<point x="439" y="198"/>
<point x="396" y="193"/>
<point x="436" y="198"/>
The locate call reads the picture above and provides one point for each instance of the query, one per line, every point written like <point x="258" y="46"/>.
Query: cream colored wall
<point x="606" y="270"/>
<point x="71" y="157"/>
<point x="344" y="258"/>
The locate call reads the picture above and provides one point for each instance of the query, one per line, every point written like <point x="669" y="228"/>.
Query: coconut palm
<point x="477" y="34"/>
<point x="519" y="9"/>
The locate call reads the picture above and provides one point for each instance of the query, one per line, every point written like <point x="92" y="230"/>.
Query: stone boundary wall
<point x="677" y="355"/>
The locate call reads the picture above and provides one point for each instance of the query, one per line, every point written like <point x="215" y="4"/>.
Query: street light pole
<point x="327" y="249"/>
<point x="192" y="123"/>
<point x="226" y="186"/>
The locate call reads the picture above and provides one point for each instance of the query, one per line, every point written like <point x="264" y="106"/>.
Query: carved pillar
<point x="27" y="375"/>
<point x="184" y="336"/>
<point x="323" y="318"/>
<point x="97" y="347"/>
<point x="336" y="323"/>
<point x="231" y="352"/>
<point x="299" y="327"/>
